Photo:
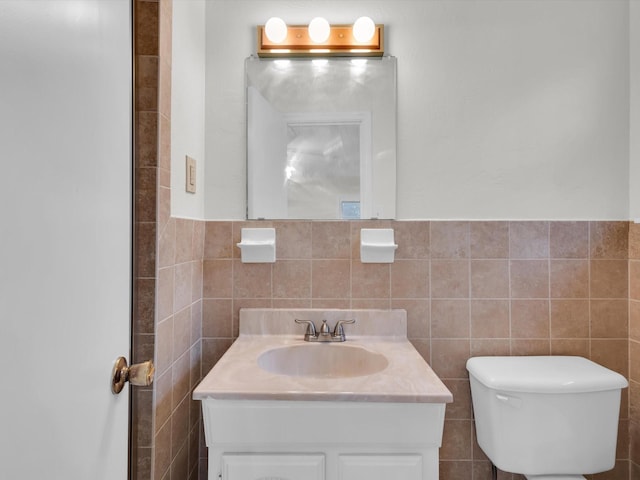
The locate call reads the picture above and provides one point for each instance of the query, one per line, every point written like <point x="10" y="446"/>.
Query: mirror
<point x="321" y="138"/>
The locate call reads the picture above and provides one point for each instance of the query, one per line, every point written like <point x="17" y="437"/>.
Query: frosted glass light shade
<point x="364" y="29"/>
<point x="319" y="30"/>
<point x="275" y="29"/>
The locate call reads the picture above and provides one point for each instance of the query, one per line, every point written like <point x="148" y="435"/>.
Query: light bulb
<point x="364" y="29"/>
<point x="319" y="30"/>
<point x="275" y="29"/>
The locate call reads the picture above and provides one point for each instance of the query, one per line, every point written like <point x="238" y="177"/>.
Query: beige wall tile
<point x="460" y="409"/>
<point x="570" y="318"/>
<point x="331" y="279"/>
<point x="634" y="354"/>
<point x="449" y="239"/>
<point x="293" y="240"/>
<point x="252" y="280"/>
<point x="530" y="318"/>
<point x="634" y="320"/>
<point x="490" y="347"/>
<point x="184" y="240"/>
<point x="527" y="346"/>
<point x="490" y="278"/>
<point x="410" y="279"/>
<point x="449" y="357"/>
<point x="165" y="293"/>
<point x="217" y="318"/>
<point x="610" y="318"/>
<point x="370" y="280"/>
<point x="455" y="469"/>
<point x="167" y="245"/>
<point x="162" y="457"/>
<point x="529" y="278"/>
<point x="570" y="346"/>
<point x="450" y="318"/>
<point x="569" y="239"/>
<point x="181" y="332"/>
<point x="490" y="318"/>
<point x="529" y="239"/>
<point x="609" y="279"/>
<point x="569" y="278"/>
<point x="449" y="278"/>
<point x="634" y="241"/>
<point x="609" y="240"/>
<point x="489" y="239"/>
<point x="418" y="316"/>
<point x="292" y="279"/>
<point x="456" y="440"/>
<point x="413" y="240"/>
<point x="612" y="354"/>
<point x="182" y="286"/>
<point x="330" y="240"/>
<point x="217" y="279"/>
<point x="634" y="279"/>
<point x="218" y="240"/>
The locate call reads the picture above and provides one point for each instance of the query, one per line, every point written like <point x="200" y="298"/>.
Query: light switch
<point x="191" y="175"/>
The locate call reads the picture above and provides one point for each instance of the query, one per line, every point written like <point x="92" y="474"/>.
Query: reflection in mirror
<point x="321" y="138"/>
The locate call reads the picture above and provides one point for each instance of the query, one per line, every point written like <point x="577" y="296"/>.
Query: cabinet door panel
<point x="380" y="467"/>
<point x="272" y="467"/>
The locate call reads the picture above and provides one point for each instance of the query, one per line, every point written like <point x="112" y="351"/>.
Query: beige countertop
<point x="406" y="378"/>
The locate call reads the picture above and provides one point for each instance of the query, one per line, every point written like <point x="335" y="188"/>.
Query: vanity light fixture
<point x="320" y="39"/>
<point x="319" y="30"/>
<point x="364" y="29"/>
<point x="275" y="29"/>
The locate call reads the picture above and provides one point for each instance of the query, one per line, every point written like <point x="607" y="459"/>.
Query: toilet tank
<point x="546" y="415"/>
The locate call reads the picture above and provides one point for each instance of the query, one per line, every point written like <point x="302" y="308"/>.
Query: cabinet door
<point x="272" y="467"/>
<point x="380" y="467"/>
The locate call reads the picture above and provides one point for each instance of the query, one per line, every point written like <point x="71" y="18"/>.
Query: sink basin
<point x="330" y="360"/>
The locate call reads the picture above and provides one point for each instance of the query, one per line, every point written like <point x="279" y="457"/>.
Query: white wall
<point x="187" y="105"/>
<point x="634" y="154"/>
<point x="505" y="109"/>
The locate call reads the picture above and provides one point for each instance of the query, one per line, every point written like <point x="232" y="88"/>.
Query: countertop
<point x="406" y="379"/>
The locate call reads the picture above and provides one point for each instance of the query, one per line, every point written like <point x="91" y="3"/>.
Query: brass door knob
<point x="139" y="374"/>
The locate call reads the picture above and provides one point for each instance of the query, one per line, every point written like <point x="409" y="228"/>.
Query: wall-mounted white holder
<point x="258" y="245"/>
<point x="377" y="245"/>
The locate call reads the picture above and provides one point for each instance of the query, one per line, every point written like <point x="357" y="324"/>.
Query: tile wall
<point x="146" y="163"/>
<point x="177" y="418"/>
<point x="634" y="350"/>
<point x="470" y="288"/>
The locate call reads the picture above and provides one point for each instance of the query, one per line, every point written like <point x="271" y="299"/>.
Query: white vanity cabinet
<point x="316" y="440"/>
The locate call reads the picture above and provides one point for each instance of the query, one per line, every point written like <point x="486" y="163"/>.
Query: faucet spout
<point x="324" y="335"/>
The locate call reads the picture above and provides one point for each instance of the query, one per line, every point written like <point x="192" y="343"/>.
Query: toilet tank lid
<point x="544" y="374"/>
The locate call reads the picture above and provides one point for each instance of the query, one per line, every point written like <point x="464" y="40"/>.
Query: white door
<point x="65" y="248"/>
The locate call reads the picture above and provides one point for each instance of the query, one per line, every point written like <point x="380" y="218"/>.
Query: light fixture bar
<point x="341" y="43"/>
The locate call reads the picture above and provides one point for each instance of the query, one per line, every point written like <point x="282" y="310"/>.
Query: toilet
<point x="546" y="417"/>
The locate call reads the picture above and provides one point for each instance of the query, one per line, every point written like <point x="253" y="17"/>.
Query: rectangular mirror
<point x="321" y="138"/>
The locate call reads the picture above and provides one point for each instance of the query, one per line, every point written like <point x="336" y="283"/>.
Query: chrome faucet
<point x="324" y="335"/>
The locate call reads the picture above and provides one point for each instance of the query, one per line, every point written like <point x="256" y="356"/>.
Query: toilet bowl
<point x="546" y="417"/>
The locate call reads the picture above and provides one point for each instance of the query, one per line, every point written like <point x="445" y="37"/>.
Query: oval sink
<point x="329" y="360"/>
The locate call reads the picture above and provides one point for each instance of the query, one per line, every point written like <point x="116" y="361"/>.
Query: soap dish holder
<point x="258" y="245"/>
<point x="377" y="245"/>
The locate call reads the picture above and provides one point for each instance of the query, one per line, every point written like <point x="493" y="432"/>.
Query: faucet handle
<point x="338" y="331"/>
<point x="311" y="328"/>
